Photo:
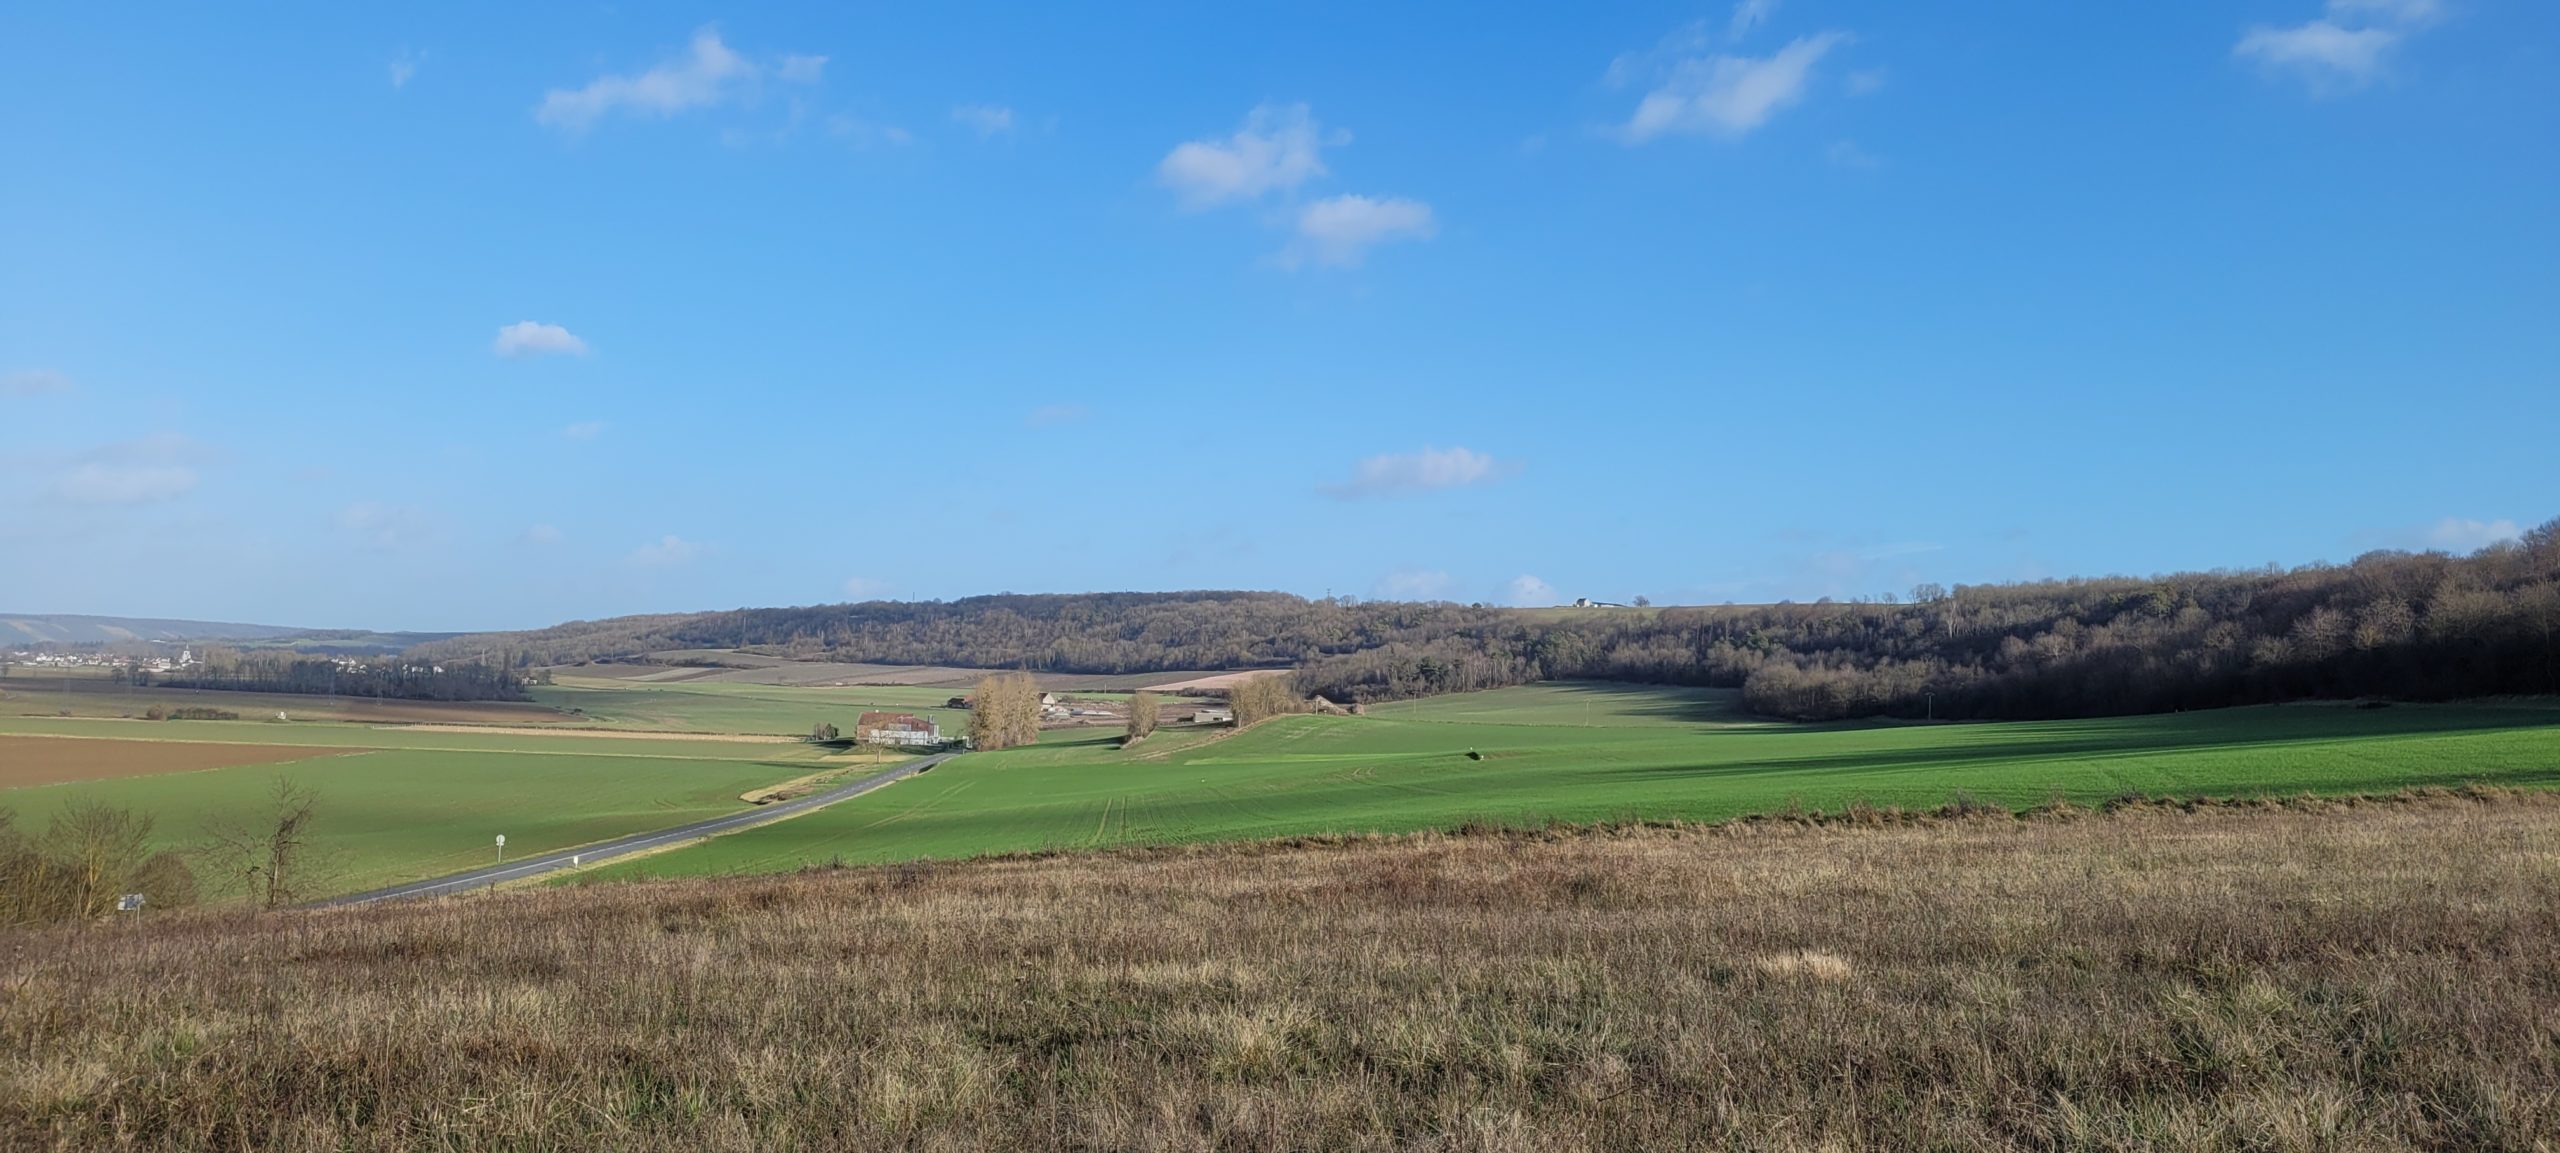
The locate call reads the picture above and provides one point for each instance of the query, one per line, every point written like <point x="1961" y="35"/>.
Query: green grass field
<point x="1601" y="752"/>
<point x="729" y="707"/>
<point x="401" y="814"/>
<point x="408" y="803"/>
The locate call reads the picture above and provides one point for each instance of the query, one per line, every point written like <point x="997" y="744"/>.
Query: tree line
<point x="395" y="678"/>
<point x="2417" y="626"/>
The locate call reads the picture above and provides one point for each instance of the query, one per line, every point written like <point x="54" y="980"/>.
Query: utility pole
<point x="1932" y="713"/>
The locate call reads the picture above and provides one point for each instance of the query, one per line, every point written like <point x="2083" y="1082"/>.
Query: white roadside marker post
<point x="502" y="848"/>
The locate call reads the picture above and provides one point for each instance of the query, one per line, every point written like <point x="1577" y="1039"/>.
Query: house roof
<point x="908" y="722"/>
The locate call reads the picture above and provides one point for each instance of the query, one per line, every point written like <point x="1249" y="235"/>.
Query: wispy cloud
<point x="863" y="133"/>
<point x="1415" y="585"/>
<point x="707" y="74"/>
<point x="2348" y="46"/>
<point x="1341" y="230"/>
<point x="1728" y="96"/>
<point x="1425" y="471"/>
<point x="584" y="430"/>
<point x="668" y="551"/>
<point x="1847" y="154"/>
<point x="1747" y="15"/>
<point x="1052" y="415"/>
<point x="864" y="588"/>
<point x="1527" y="591"/>
<point x="1278" y="148"/>
<point x="404" y="67"/>
<point x="984" y="119"/>
<point x="542" y="534"/>
<point x="2462" y="534"/>
<point x="799" y="69"/>
<point x="34" y="382"/>
<point x="529" y="338"/>
<point x="143" y="471"/>
<point x="385" y="526"/>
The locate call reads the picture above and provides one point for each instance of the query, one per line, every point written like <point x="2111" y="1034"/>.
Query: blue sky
<point x="481" y="316"/>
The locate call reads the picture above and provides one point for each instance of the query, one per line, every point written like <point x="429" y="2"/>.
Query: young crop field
<point x="62" y="760"/>
<point x="1606" y="752"/>
<point x="401" y="814"/>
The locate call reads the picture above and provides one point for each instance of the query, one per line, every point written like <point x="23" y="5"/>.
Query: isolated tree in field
<point x="1257" y="699"/>
<point x="823" y="733"/>
<point x="1144" y="709"/>
<point x="270" y="852"/>
<point x="1006" y="712"/>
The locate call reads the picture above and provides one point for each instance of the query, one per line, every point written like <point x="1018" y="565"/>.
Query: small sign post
<point x="502" y="848"/>
<point x="129" y="903"/>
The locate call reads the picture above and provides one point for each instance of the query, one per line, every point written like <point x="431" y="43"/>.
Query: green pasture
<point x="401" y="814"/>
<point x="734" y="707"/>
<point x="1600" y="752"/>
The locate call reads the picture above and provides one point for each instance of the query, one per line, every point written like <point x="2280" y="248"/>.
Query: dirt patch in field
<point x="618" y="734"/>
<point x="1217" y="683"/>
<point x="58" y="760"/>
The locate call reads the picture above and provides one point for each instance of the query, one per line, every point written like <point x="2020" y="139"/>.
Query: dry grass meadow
<point x="2334" y="975"/>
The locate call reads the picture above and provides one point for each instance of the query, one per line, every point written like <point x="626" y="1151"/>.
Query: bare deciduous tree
<point x="269" y="854"/>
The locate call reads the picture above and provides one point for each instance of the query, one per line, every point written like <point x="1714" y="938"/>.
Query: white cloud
<point x="1526" y="591"/>
<point x="1749" y="14"/>
<point x="2320" y="49"/>
<point x="984" y="119"/>
<point x="1415" y="585"/>
<point x="542" y="534"/>
<point x="1865" y="80"/>
<point x="2462" y="534"/>
<point x="34" y="381"/>
<point x="528" y="338"/>
<point x="404" y="68"/>
<point x="1277" y="149"/>
<point x="2348" y="46"/>
<point x="798" y="69"/>
<point x="707" y="74"/>
<point x="1050" y="415"/>
<point x="667" y="552"/>
<point x="1341" y="230"/>
<point x="1424" y="471"/>
<point x="584" y="430"/>
<point x="384" y="526"/>
<point x="864" y="588"/>
<point x="1728" y="96"/>
<point x="153" y="468"/>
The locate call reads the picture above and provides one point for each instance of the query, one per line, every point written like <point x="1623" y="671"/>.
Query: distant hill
<point x="76" y="629"/>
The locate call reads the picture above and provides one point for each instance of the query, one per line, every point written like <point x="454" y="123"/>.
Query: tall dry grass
<point x="2321" y="976"/>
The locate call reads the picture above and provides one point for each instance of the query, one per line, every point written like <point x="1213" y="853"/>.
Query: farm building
<point x="896" y="729"/>
<point x="1212" y="715"/>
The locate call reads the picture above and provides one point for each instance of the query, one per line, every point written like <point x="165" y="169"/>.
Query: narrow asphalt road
<point x="584" y="855"/>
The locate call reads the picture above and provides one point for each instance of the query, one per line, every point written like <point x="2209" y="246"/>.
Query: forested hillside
<point x="2418" y="626"/>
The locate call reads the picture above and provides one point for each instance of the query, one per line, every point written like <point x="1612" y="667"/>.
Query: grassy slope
<point x="396" y="815"/>
<point x="2365" y="978"/>
<point x="1584" y="753"/>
